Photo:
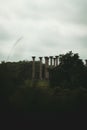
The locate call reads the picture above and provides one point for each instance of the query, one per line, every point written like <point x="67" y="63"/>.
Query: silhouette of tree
<point x="70" y="72"/>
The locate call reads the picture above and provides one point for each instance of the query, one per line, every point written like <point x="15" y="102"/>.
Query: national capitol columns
<point x="53" y="63"/>
<point x="33" y="67"/>
<point x="50" y="62"/>
<point x="40" y="74"/>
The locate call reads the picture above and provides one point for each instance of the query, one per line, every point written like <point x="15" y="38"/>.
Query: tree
<point x="70" y="72"/>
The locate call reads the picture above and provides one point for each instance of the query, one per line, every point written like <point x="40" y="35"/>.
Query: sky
<point x="42" y="28"/>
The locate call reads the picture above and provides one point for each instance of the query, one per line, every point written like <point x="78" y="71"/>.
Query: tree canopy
<point x="71" y="71"/>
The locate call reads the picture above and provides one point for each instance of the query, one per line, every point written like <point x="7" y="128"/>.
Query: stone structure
<point x="46" y="68"/>
<point x="43" y="71"/>
<point x="40" y="76"/>
<point x="51" y="58"/>
<point x="33" y="67"/>
<point x="56" y="60"/>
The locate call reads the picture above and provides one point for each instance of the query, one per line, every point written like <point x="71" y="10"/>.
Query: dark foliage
<point x="17" y="95"/>
<point x="71" y="72"/>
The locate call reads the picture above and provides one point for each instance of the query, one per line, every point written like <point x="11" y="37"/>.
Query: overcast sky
<point x="44" y="27"/>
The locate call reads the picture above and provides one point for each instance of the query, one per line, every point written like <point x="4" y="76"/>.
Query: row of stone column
<point x="53" y="63"/>
<point x="52" y="59"/>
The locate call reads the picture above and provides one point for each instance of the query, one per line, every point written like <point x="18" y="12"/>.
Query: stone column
<point x="46" y="68"/>
<point x="56" y="60"/>
<point x="85" y="62"/>
<point x="33" y="67"/>
<point x="40" y="76"/>
<point x="51" y="57"/>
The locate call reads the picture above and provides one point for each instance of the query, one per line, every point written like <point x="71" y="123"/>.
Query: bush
<point x="70" y="73"/>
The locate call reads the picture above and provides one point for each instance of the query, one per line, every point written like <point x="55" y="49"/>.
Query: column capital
<point x="56" y="56"/>
<point x="33" y="57"/>
<point x="51" y="57"/>
<point x="46" y="57"/>
<point x="40" y="58"/>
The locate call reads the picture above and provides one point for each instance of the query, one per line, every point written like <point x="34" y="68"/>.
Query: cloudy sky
<point x="42" y="28"/>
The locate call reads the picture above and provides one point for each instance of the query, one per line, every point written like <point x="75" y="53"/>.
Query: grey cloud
<point x="83" y="42"/>
<point x="70" y="11"/>
<point x="48" y="27"/>
<point x="4" y="34"/>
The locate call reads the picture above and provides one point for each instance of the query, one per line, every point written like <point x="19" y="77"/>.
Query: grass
<point x="37" y="83"/>
<point x="38" y="96"/>
<point x="43" y="98"/>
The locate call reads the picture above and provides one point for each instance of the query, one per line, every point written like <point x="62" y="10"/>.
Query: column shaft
<point x="33" y="68"/>
<point x="51" y="57"/>
<point x="46" y="68"/>
<point x="56" y="60"/>
<point x="40" y="74"/>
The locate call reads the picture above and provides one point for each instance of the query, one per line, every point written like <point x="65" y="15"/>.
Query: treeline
<point x="70" y="73"/>
<point x="66" y="89"/>
<point x="14" y="76"/>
